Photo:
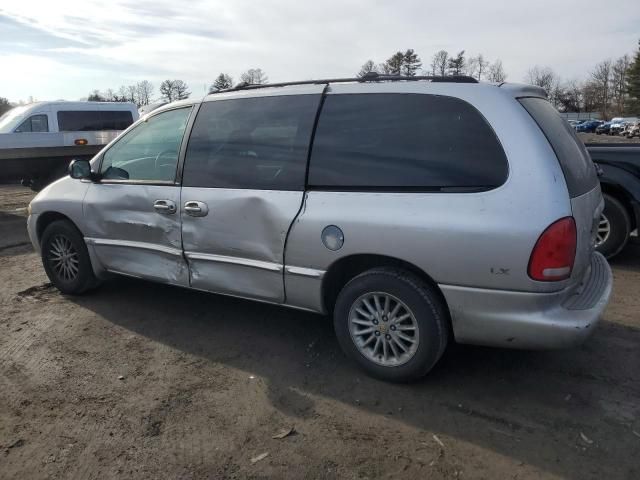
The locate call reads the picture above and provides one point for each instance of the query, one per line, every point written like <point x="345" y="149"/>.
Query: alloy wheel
<point x="383" y="329"/>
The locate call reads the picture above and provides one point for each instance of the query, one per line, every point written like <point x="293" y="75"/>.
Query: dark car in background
<point x="589" y="126"/>
<point x="603" y="128"/>
<point x="619" y="172"/>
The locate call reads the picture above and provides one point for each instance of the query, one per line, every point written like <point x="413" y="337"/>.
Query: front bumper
<point x="531" y="320"/>
<point x="32" y="220"/>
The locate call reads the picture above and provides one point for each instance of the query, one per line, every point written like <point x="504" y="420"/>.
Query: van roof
<point x="515" y="89"/>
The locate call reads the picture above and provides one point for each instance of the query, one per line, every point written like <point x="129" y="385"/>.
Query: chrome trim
<point x="130" y="244"/>
<point x="305" y="272"/>
<point x="247" y="262"/>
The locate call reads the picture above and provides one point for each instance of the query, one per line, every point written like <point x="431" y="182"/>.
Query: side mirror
<point x="80" y="169"/>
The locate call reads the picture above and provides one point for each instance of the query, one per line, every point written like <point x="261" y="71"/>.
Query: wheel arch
<point x="344" y="269"/>
<point x="624" y="197"/>
<point x="47" y="218"/>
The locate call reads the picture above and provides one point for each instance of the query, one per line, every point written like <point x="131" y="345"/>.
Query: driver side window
<point x="150" y="151"/>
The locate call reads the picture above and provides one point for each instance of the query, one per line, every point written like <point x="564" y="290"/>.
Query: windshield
<point x="9" y="119"/>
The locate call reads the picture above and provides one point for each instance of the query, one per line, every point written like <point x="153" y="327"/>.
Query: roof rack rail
<point x="368" y="77"/>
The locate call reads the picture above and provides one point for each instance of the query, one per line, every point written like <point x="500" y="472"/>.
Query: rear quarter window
<point x="404" y="141"/>
<point x="89" y="120"/>
<point x="578" y="169"/>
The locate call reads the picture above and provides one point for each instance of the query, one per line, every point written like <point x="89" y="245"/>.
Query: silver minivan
<point x="413" y="210"/>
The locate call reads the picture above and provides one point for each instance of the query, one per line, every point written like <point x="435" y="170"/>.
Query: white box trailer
<point x="37" y="141"/>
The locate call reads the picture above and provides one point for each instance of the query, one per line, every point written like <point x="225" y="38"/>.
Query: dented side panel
<point x="238" y="247"/>
<point x="129" y="236"/>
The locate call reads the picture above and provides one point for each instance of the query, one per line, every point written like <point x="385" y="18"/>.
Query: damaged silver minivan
<point x="414" y="210"/>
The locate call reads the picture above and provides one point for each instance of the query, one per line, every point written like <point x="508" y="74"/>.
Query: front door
<point x="243" y="185"/>
<point x="133" y="212"/>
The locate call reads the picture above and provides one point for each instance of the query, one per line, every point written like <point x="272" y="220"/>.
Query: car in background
<point x="627" y="128"/>
<point x="618" y="168"/>
<point x="634" y="130"/>
<point x="38" y="140"/>
<point x="589" y="126"/>
<point x="574" y="123"/>
<point x="603" y="128"/>
<point x="619" y="124"/>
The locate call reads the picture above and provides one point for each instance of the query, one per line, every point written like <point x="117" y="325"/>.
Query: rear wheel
<point x="392" y="323"/>
<point x="614" y="227"/>
<point x="66" y="259"/>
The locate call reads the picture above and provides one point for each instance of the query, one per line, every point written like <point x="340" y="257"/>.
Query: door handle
<point x="196" y="209"/>
<point x="164" y="206"/>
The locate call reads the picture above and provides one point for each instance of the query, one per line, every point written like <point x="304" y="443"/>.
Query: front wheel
<point x="392" y="323"/>
<point x="66" y="259"/>
<point x="614" y="227"/>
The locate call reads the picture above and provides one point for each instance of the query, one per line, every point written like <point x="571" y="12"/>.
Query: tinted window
<point x="84" y="121"/>
<point x="404" y="141"/>
<point x="35" y="123"/>
<point x="259" y="143"/>
<point x="578" y="169"/>
<point x="149" y="151"/>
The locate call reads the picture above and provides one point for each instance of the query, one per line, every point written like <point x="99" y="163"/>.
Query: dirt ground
<point x="593" y="138"/>
<point x="138" y="380"/>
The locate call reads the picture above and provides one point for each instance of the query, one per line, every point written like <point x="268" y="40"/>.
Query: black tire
<point x="64" y="231"/>
<point x="421" y="298"/>
<point x="620" y="227"/>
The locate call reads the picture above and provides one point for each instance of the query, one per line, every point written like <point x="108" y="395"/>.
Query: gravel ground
<point x="138" y="380"/>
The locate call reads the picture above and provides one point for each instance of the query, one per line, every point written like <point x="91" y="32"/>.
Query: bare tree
<point x="477" y="66"/>
<point x="123" y="94"/>
<point x="172" y="90"/>
<point x="254" y="76"/>
<point x="601" y="76"/>
<point x="569" y="96"/>
<point x="144" y="91"/>
<point x="496" y="72"/>
<point x="439" y="63"/>
<point x="619" y="72"/>
<point x="368" y="67"/>
<point x="546" y="78"/>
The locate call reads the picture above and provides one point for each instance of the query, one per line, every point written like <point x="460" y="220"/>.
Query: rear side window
<point x="253" y="143"/>
<point x="88" y="120"/>
<point x="578" y="169"/>
<point x="35" y="123"/>
<point x="399" y="141"/>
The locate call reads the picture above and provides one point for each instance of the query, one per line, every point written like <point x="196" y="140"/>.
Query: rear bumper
<point x="531" y="320"/>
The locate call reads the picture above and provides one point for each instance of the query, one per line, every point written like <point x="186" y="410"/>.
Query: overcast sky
<point x="66" y="48"/>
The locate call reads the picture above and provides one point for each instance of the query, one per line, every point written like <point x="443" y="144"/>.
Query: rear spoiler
<point x="519" y="90"/>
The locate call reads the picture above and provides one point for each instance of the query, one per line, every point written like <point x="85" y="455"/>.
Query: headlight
<point x="29" y="209"/>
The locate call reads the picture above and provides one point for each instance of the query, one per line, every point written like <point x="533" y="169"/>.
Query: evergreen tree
<point x="411" y="63"/>
<point x="222" y="82"/>
<point x="633" y="84"/>
<point x="457" y="64"/>
<point x="393" y="65"/>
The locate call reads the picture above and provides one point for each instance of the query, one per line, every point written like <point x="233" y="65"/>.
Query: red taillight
<point x="555" y="251"/>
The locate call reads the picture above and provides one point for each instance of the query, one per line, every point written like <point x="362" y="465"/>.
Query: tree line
<point x="141" y="93"/>
<point x="409" y="64"/>
<point x="611" y="88"/>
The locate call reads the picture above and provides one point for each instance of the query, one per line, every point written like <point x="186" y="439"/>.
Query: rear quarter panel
<point x="469" y="239"/>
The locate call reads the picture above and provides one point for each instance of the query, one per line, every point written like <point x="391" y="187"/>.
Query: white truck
<point x="38" y="140"/>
